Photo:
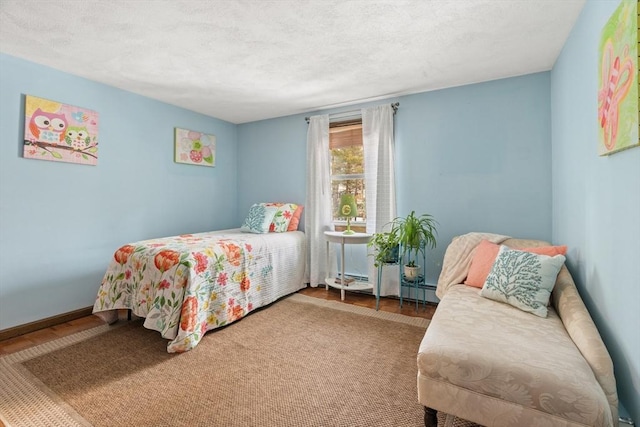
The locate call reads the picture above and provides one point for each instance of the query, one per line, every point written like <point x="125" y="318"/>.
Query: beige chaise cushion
<point x="493" y="364"/>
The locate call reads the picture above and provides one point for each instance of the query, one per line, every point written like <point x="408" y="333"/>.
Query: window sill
<point x="360" y="228"/>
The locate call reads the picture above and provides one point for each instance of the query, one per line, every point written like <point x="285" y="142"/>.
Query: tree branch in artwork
<point x="87" y="151"/>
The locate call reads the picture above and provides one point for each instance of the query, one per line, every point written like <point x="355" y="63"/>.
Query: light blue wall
<point x="60" y="222"/>
<point x="596" y="203"/>
<point x="272" y="162"/>
<point x="476" y="157"/>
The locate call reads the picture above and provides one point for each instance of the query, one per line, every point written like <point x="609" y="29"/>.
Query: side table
<point x="345" y="239"/>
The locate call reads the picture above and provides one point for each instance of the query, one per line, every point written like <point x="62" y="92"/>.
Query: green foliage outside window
<point x="347" y="176"/>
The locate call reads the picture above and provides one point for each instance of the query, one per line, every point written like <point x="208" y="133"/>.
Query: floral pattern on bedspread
<point x="188" y="284"/>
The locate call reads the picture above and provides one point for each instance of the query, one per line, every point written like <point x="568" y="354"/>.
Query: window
<point x="347" y="169"/>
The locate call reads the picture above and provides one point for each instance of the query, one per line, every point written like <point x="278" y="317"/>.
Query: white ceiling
<point x="247" y="60"/>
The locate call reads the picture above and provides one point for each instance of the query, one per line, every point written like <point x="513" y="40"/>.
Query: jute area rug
<point x="301" y="361"/>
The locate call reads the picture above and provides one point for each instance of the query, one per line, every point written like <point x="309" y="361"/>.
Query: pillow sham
<point x="295" y="219"/>
<point x="283" y="216"/>
<point x="486" y="254"/>
<point x="259" y="218"/>
<point x="523" y="279"/>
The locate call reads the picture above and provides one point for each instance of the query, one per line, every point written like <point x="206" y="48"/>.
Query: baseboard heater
<point x="370" y="291"/>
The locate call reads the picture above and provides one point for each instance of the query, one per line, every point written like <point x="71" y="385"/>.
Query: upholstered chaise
<point x="490" y="363"/>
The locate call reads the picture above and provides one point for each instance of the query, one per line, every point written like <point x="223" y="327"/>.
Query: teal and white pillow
<point x="523" y="279"/>
<point x="259" y="218"/>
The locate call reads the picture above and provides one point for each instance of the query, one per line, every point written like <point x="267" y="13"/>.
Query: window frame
<point x="354" y="123"/>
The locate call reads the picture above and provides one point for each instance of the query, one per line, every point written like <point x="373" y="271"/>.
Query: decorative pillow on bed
<point x="283" y="216"/>
<point x="259" y="218"/>
<point x="523" y="279"/>
<point x="295" y="220"/>
<point x="486" y="253"/>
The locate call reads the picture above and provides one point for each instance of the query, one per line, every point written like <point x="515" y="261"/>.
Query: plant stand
<point x="418" y="284"/>
<point x="378" y="283"/>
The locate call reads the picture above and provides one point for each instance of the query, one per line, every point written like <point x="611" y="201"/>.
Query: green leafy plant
<point x="414" y="233"/>
<point x="385" y="247"/>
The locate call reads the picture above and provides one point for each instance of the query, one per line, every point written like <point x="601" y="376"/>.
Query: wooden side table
<point x="345" y="239"/>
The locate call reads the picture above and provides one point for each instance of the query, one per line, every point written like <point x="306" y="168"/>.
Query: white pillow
<point x="282" y="217"/>
<point x="259" y="218"/>
<point x="523" y="279"/>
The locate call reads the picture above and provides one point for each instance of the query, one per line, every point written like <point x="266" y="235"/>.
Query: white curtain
<point x="317" y="211"/>
<point x="379" y="175"/>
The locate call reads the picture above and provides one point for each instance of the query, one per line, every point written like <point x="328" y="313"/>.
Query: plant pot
<point x="411" y="273"/>
<point x="392" y="256"/>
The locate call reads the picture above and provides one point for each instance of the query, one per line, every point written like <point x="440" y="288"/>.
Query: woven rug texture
<point x="301" y="361"/>
<point x="448" y="420"/>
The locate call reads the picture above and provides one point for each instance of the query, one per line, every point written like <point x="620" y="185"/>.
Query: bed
<point x="186" y="285"/>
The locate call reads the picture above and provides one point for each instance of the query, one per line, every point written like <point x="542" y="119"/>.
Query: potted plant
<point x="386" y="250"/>
<point x="411" y="270"/>
<point x="414" y="234"/>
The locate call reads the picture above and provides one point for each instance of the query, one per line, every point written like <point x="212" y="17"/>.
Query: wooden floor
<point x="392" y="305"/>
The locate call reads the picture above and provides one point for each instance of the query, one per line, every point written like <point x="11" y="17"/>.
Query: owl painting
<point x="77" y="137"/>
<point x="59" y="132"/>
<point x="48" y="127"/>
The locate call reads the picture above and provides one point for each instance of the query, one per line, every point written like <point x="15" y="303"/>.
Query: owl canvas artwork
<point x="60" y="132"/>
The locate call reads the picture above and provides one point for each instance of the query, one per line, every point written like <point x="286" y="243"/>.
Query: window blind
<point x="345" y="136"/>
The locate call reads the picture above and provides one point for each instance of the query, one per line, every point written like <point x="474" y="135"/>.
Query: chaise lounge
<point x="488" y="362"/>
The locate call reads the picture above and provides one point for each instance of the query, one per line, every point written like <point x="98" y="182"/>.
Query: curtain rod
<point x="344" y="114"/>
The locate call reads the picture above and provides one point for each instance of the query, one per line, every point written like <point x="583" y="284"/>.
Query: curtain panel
<point x="318" y="217"/>
<point x="379" y="174"/>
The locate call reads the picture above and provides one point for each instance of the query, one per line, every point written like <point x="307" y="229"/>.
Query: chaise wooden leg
<point x="430" y="417"/>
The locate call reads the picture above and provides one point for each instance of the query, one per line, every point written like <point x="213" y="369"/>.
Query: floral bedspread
<point x="188" y="284"/>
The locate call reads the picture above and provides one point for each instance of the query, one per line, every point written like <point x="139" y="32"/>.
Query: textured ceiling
<point x="248" y="60"/>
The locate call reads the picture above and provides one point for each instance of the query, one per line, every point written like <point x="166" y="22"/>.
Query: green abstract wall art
<point x="618" y="103"/>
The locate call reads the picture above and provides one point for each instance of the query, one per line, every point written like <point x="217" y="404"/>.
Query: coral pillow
<point x="486" y="254"/>
<point x="295" y="219"/>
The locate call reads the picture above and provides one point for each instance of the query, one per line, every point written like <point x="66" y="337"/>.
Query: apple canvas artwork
<point x="194" y="148"/>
